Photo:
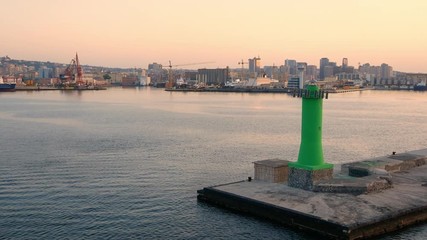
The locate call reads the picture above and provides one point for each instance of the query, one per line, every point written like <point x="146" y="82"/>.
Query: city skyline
<point x="135" y="33"/>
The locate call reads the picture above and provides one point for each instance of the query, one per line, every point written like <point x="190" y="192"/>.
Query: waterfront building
<point x="348" y="76"/>
<point x="416" y="78"/>
<point x="261" y="82"/>
<point x="218" y="76"/>
<point x="190" y="76"/>
<point x="88" y="78"/>
<point x="130" y="80"/>
<point x="116" y="78"/>
<point x="293" y="82"/>
<point x="144" y="81"/>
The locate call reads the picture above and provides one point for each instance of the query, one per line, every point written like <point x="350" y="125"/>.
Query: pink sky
<point x="133" y="33"/>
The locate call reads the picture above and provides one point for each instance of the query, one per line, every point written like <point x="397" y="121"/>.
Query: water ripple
<point x="132" y="171"/>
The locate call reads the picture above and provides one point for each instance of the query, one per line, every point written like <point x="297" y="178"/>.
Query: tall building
<point x="365" y="68"/>
<point x="385" y="71"/>
<point x="271" y="71"/>
<point x="155" y="66"/>
<point x="311" y="72"/>
<point x="157" y="73"/>
<point x="328" y="71"/>
<point x="344" y="63"/>
<point x="323" y="63"/>
<point x="254" y="64"/>
<point x="371" y="72"/>
<point x="291" y="66"/>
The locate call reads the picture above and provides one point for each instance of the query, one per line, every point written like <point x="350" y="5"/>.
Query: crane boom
<point x="188" y="64"/>
<point x="79" y="79"/>
<point x="242" y="63"/>
<point x="171" y="83"/>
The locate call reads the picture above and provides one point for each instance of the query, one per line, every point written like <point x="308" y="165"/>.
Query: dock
<point x="364" y="199"/>
<point x="257" y="90"/>
<point x="43" y="88"/>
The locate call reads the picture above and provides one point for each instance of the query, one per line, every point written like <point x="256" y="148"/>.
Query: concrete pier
<point x="363" y="199"/>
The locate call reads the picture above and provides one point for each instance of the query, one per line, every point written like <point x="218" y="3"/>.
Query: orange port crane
<point x="73" y="72"/>
<point x="171" y="82"/>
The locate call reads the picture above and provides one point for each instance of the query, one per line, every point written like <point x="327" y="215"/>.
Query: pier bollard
<point x="310" y="166"/>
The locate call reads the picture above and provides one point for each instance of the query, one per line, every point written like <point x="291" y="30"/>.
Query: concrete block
<point x="271" y="170"/>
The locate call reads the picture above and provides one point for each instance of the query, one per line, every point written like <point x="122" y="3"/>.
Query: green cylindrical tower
<point x="311" y="151"/>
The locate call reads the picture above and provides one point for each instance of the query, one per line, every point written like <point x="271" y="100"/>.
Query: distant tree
<point x="106" y="77"/>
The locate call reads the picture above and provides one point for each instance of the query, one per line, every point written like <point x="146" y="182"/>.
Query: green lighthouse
<point x="310" y="166"/>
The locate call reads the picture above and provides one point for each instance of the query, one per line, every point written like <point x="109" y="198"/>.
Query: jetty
<point x="380" y="195"/>
<point x="257" y="90"/>
<point x="355" y="200"/>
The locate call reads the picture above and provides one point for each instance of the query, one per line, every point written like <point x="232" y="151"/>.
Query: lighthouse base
<point x="306" y="179"/>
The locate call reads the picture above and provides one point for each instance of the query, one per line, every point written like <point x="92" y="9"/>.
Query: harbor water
<point x="126" y="163"/>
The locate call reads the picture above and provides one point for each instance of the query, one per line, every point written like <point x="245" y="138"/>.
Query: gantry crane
<point x="171" y="82"/>
<point x="73" y="73"/>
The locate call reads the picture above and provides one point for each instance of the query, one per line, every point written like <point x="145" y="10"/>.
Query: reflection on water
<point x="35" y="119"/>
<point x="126" y="163"/>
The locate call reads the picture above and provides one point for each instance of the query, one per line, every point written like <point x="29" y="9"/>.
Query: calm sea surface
<point x="126" y="163"/>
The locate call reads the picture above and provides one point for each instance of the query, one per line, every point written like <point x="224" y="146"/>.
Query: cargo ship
<point x="7" y="87"/>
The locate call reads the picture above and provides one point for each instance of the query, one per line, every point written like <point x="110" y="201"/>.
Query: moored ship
<point x="420" y="86"/>
<point x="6" y="87"/>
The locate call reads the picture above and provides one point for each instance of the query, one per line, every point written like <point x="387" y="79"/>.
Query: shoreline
<point x="33" y="88"/>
